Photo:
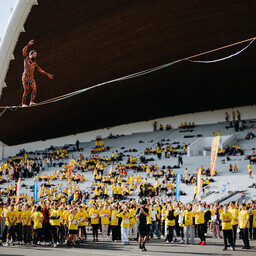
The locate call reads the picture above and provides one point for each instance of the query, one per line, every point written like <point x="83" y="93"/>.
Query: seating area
<point x="140" y="157"/>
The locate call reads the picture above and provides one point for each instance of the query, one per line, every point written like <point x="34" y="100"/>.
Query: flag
<point x="199" y="187"/>
<point x="214" y="153"/>
<point x="178" y="181"/>
<point x="18" y="191"/>
<point x="36" y="190"/>
<point x="71" y="166"/>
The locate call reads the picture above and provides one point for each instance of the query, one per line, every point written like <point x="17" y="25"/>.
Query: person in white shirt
<point x="153" y="226"/>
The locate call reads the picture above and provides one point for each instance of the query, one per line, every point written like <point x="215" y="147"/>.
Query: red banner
<point x="70" y="168"/>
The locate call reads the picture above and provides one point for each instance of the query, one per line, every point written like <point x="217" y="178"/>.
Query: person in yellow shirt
<point x="114" y="223"/>
<point x="195" y="191"/>
<point x="234" y="213"/>
<point x="37" y="217"/>
<point x="170" y="223"/>
<point x="11" y="219"/>
<point x="82" y="214"/>
<point x="250" y="171"/>
<point x="94" y="215"/>
<point x="244" y="225"/>
<point x="125" y="224"/>
<point x="226" y="218"/>
<point x="199" y="221"/>
<point x="26" y="222"/>
<point x="19" y="223"/>
<point x="133" y="223"/>
<point x="188" y="224"/>
<point x="105" y="215"/>
<point x="73" y="221"/>
<point x="55" y="223"/>
<point x="163" y="218"/>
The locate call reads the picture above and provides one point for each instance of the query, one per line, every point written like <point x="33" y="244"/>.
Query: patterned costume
<point x="28" y="75"/>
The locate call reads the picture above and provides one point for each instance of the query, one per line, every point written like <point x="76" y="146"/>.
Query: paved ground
<point x="155" y="247"/>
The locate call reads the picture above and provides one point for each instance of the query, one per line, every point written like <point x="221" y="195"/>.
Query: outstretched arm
<point x="43" y="72"/>
<point x="25" y="49"/>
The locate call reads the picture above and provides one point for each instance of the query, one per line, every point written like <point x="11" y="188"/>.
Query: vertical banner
<point x="70" y="168"/>
<point x="178" y="181"/>
<point x="36" y="190"/>
<point x="214" y="153"/>
<point x="199" y="186"/>
<point x="18" y="191"/>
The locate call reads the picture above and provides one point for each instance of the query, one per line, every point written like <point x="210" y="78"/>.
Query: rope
<point x="221" y="59"/>
<point x="3" y="111"/>
<point x="137" y="74"/>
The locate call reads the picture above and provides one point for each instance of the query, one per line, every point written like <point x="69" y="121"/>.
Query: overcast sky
<point x="5" y="11"/>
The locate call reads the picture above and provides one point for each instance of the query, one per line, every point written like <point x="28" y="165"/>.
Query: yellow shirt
<point x="163" y="214"/>
<point x="18" y="215"/>
<point x="94" y="215"/>
<point x="73" y="224"/>
<point x="125" y="219"/>
<point x="114" y="219"/>
<point x="37" y="218"/>
<point x="12" y="216"/>
<point x="234" y="212"/>
<point x="105" y="214"/>
<point x="226" y="225"/>
<point x="25" y="216"/>
<point x="82" y="217"/>
<point x="254" y="218"/>
<point x="199" y="217"/>
<point x="55" y="213"/>
<point x="243" y="217"/>
<point x="132" y="219"/>
<point x="169" y="222"/>
<point x="188" y="217"/>
<point x="149" y="217"/>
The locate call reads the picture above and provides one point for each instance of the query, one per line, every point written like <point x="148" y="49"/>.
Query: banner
<point x="35" y="191"/>
<point x="178" y="181"/>
<point x="70" y="168"/>
<point x="214" y="153"/>
<point x="18" y="191"/>
<point x="199" y="186"/>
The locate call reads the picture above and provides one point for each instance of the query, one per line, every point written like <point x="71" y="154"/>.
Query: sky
<point x="5" y="12"/>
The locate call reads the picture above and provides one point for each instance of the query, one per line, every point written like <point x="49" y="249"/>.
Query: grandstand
<point x="140" y="141"/>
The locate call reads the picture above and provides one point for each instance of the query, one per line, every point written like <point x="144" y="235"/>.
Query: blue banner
<point x="36" y="191"/>
<point x="178" y="181"/>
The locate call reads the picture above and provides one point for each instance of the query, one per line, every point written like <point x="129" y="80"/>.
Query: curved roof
<point x="95" y="41"/>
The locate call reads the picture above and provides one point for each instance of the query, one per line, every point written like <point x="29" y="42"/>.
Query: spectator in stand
<point x="77" y="145"/>
<point x="155" y="125"/>
<point x="250" y="171"/>
<point x="250" y="136"/>
<point x="238" y="115"/>
<point x="235" y="169"/>
<point x="226" y="116"/>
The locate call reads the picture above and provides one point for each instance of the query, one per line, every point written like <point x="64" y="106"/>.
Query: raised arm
<point x="25" y="49"/>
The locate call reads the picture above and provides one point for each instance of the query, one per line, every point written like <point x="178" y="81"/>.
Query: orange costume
<point x="28" y="75"/>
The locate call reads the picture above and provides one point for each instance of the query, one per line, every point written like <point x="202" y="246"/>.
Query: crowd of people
<point x="55" y="222"/>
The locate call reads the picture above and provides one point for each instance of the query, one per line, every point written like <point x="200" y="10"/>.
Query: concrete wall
<point x="197" y="147"/>
<point x="207" y="117"/>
